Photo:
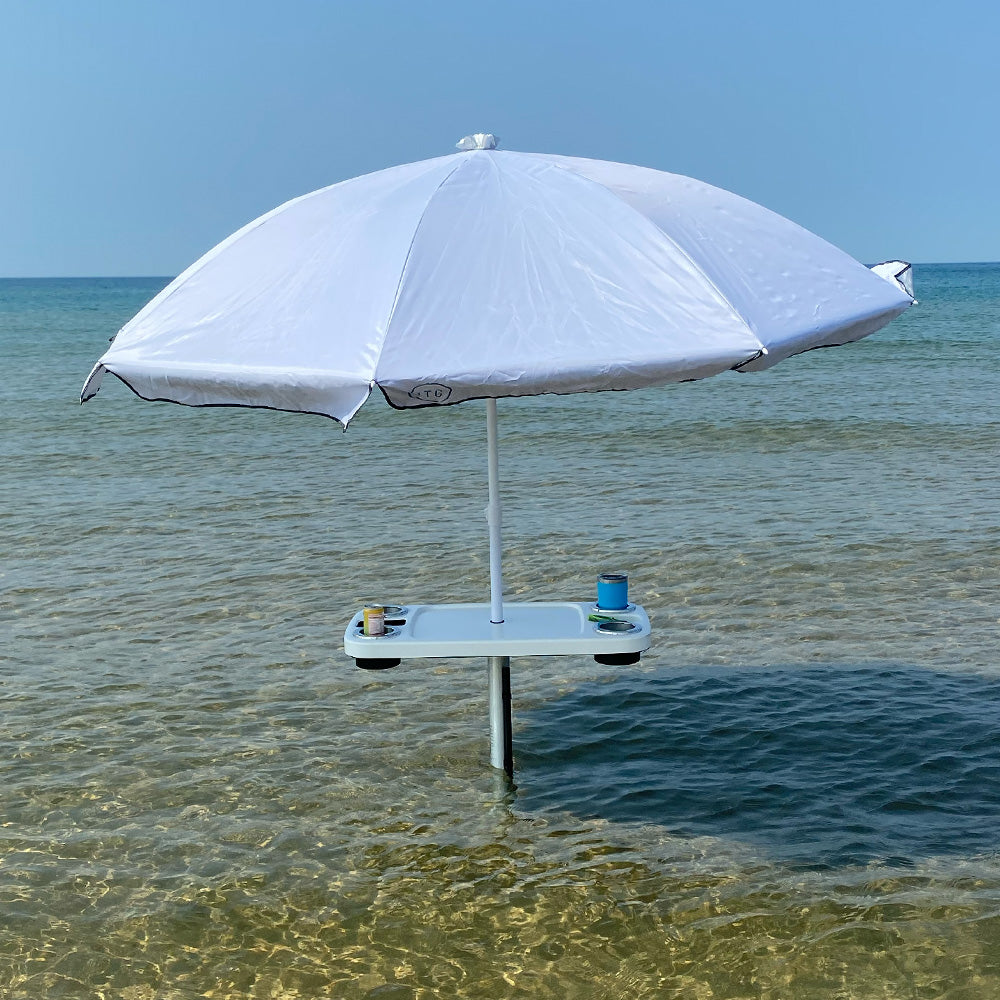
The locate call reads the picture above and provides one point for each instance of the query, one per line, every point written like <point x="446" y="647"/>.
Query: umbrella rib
<point x="614" y="194"/>
<point x="406" y="261"/>
<point x="185" y="275"/>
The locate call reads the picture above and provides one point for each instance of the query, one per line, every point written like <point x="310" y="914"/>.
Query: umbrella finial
<point x="481" y="140"/>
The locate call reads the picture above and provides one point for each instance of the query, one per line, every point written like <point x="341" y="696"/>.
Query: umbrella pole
<point x="501" y="739"/>
<point x="501" y="736"/>
<point x="493" y="514"/>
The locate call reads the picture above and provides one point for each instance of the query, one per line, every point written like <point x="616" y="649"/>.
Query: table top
<point x="528" y="629"/>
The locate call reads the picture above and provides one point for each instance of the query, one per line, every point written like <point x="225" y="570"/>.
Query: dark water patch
<point x="821" y="766"/>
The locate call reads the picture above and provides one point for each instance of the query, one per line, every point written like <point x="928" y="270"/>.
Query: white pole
<point x="501" y="737"/>
<point x="501" y="740"/>
<point x="493" y="514"/>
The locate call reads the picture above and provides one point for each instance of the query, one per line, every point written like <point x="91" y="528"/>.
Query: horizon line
<point x="167" y="277"/>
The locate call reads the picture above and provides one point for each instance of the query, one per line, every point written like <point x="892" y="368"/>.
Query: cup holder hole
<point x="616" y="627"/>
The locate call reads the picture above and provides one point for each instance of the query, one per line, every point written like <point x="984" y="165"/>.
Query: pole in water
<point x="501" y="732"/>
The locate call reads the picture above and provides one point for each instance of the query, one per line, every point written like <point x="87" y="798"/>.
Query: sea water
<point x="796" y="792"/>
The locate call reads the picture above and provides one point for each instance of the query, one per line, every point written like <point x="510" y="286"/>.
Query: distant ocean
<point x="795" y="794"/>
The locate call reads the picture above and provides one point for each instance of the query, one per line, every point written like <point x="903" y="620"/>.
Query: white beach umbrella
<point x="489" y="273"/>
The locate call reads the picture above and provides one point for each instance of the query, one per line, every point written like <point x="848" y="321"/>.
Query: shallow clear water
<point x="795" y="793"/>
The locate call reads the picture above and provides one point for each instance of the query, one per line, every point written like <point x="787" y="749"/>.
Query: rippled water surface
<point x="796" y="793"/>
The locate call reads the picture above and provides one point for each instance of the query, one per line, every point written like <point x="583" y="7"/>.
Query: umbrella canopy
<point x="490" y="273"/>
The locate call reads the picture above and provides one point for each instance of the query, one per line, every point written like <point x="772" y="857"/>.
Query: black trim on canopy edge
<point x="220" y="406"/>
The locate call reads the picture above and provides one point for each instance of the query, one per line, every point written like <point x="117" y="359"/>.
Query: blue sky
<point x="136" y="135"/>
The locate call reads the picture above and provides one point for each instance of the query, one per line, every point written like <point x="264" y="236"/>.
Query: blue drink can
<point x="612" y="591"/>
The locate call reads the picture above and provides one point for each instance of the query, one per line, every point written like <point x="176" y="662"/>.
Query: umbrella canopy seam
<point x="863" y="323"/>
<point x="210" y="255"/>
<point x="406" y="260"/>
<point x="680" y="250"/>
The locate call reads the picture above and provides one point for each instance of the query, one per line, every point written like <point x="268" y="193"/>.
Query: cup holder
<point x="616" y="627"/>
<point x="360" y="630"/>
